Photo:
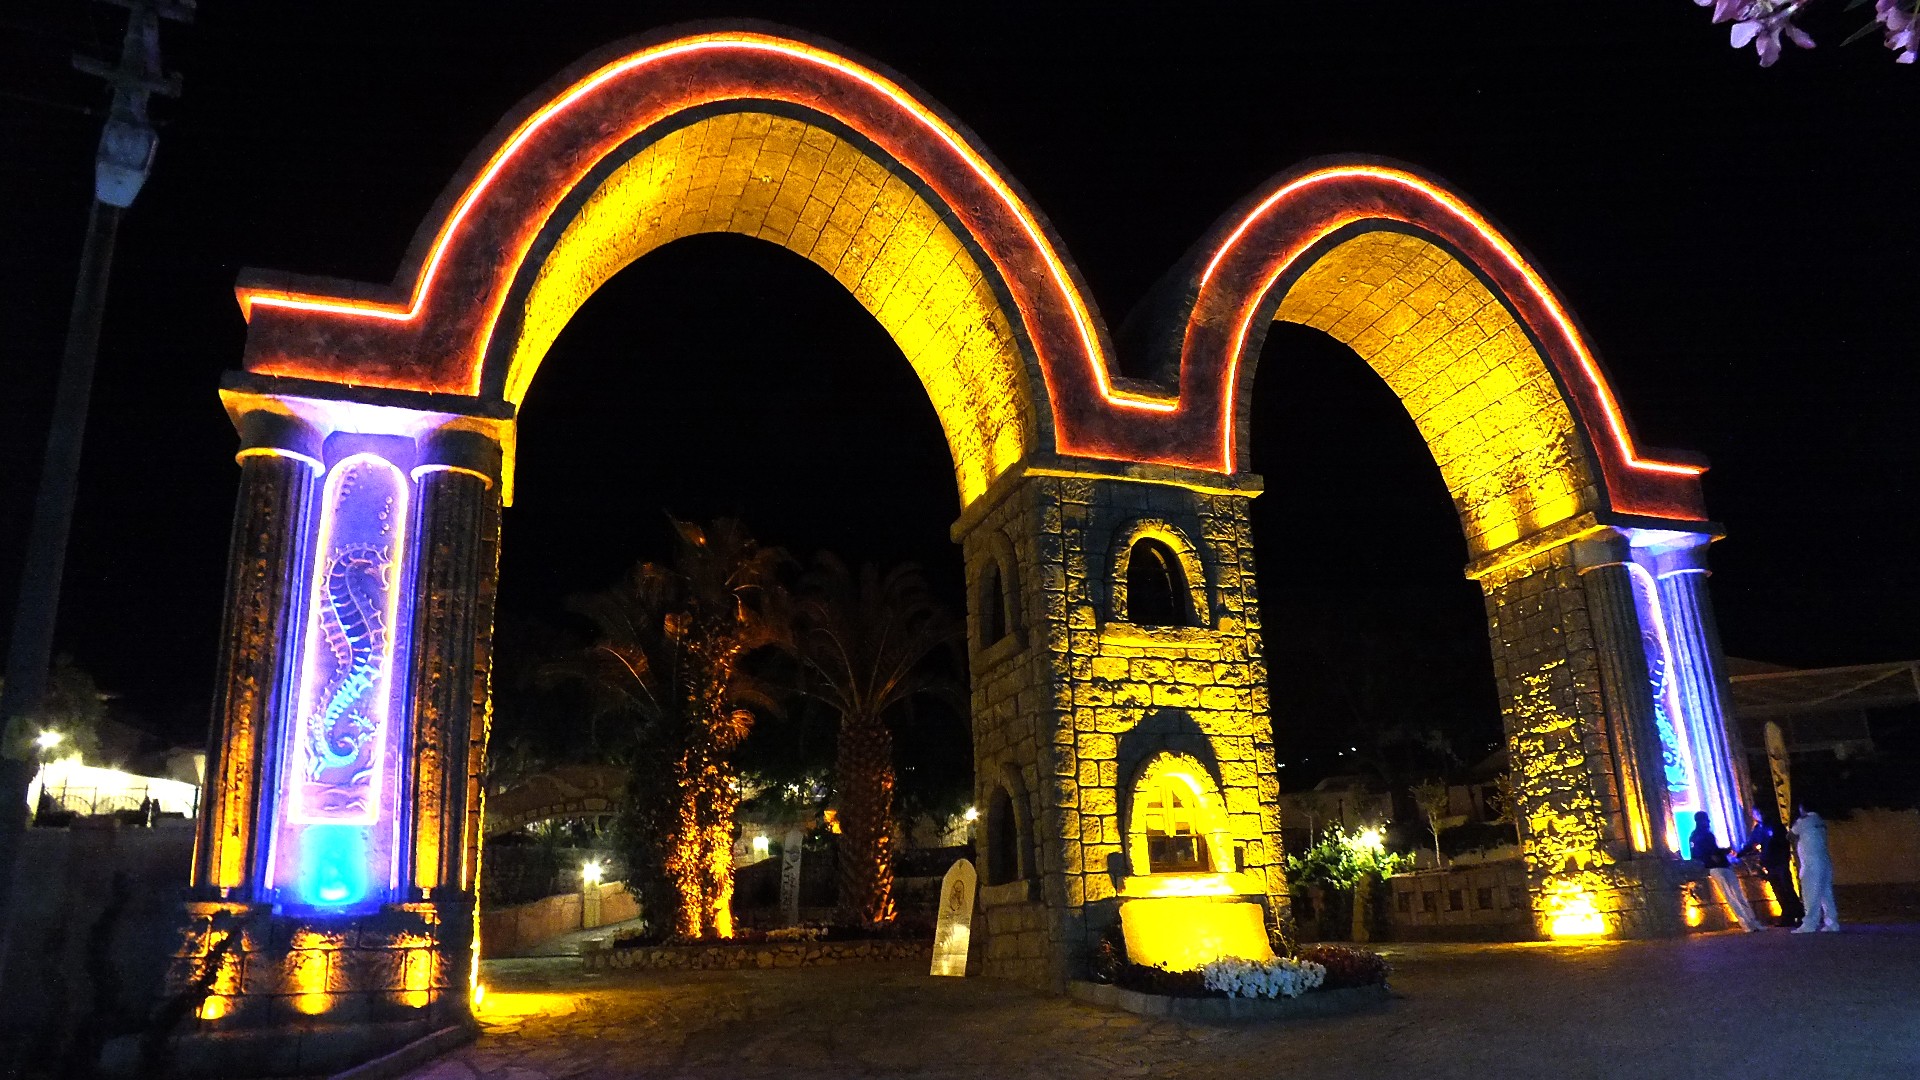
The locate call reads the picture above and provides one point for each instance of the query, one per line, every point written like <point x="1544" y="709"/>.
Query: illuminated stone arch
<point x="1588" y="548"/>
<point x="729" y="131"/>
<point x="1209" y="812"/>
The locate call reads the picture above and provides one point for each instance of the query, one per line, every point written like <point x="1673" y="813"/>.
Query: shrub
<point x="1154" y="980"/>
<point x="1341" y="858"/>
<point x="1346" y="967"/>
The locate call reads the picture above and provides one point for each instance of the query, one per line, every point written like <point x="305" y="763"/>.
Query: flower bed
<point x="1313" y="981"/>
<point x="740" y="954"/>
<point x="1218" y="1008"/>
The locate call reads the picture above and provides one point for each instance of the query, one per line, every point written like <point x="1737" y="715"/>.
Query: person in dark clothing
<point x="1772" y="847"/>
<point x="1704" y="847"/>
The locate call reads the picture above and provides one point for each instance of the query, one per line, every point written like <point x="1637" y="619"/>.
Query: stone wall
<point x="64" y="888"/>
<point x="1486" y="902"/>
<point x="291" y="996"/>
<point x="517" y="929"/>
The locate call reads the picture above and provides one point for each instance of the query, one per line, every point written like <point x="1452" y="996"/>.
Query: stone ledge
<point x="770" y="954"/>
<point x="1221" y="1010"/>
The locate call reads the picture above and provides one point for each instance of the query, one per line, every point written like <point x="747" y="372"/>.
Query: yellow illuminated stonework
<point x="1177" y="814"/>
<point x="1480" y="393"/>
<point x="1184" y="933"/>
<point x="822" y="197"/>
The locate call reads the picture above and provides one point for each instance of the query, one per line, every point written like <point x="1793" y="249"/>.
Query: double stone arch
<point x="1060" y="462"/>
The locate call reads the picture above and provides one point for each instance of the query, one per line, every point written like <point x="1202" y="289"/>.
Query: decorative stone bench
<point x="757" y="954"/>
<point x="1217" y="1009"/>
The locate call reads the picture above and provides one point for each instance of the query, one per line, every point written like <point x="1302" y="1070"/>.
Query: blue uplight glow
<point x="333" y="865"/>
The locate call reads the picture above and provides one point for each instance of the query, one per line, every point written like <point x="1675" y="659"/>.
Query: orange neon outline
<point x="1082" y="318"/>
<point x="1616" y="421"/>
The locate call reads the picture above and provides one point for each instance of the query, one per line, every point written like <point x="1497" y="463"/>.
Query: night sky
<point x="1738" y="242"/>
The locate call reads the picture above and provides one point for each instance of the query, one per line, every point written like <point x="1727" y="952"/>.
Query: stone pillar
<point x="279" y="459"/>
<point x="1075" y="701"/>
<point x="1699" y="671"/>
<point x="1635" y="733"/>
<point x="335" y="917"/>
<point x="458" y="503"/>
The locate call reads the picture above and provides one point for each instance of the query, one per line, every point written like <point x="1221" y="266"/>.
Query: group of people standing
<point x="1807" y="908"/>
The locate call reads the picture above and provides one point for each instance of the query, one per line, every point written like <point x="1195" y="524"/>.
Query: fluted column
<point x="1699" y="671"/>
<point x="1626" y="685"/>
<point x="458" y="504"/>
<point x="278" y="465"/>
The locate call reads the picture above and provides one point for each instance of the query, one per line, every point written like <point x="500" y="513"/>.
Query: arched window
<point x="1003" y="839"/>
<point x="993" y="606"/>
<point x="1156" y="589"/>
<point x="1170" y="811"/>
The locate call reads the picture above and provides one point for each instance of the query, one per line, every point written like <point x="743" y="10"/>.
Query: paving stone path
<point x="1754" y="1006"/>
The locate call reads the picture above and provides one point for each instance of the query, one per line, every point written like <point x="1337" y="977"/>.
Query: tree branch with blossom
<point x="1765" y="24"/>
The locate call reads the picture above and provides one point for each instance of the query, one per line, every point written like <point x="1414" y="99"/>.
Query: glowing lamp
<point x="48" y="740"/>
<point x="591" y="872"/>
<point x="1577" y="917"/>
<point x="1695" y="914"/>
<point x="1368" y="840"/>
<point x="333" y="865"/>
<point x="972" y="814"/>
<point x="760" y="846"/>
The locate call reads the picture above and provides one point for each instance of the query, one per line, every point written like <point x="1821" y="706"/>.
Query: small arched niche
<point x="995" y="601"/>
<point x="1177" y="823"/>
<point x="1158" y="579"/>
<point x="1007" y="840"/>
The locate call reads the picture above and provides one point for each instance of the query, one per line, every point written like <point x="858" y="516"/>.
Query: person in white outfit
<point x="1703" y="847"/>
<point x="1816" y="874"/>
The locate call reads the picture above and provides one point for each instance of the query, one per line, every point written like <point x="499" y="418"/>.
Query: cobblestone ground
<point x="1752" y="1006"/>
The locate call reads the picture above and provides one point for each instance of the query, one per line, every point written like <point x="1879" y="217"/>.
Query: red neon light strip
<point x="1616" y="421"/>
<point x="1082" y="319"/>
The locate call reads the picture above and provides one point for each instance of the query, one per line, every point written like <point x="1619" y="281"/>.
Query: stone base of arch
<point x="281" y="995"/>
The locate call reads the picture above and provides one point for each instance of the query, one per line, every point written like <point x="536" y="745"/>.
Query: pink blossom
<point x="1903" y="28"/>
<point x="1724" y="10"/>
<point x="1763" y="22"/>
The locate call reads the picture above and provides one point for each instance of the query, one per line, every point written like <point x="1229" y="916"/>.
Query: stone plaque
<point x="953" y="930"/>
<point x="790" y="877"/>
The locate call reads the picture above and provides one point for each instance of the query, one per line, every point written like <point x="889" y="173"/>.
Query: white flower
<point x="1279" y="977"/>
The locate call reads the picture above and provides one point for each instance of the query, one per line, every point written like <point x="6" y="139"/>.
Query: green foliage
<point x="1341" y="858"/>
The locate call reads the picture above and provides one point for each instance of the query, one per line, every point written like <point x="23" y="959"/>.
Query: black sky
<point x="1738" y="242"/>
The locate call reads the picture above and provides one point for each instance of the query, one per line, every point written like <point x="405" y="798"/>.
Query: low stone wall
<point x="1218" y="1009"/>
<point x="762" y="954"/>
<point x="63" y="886"/>
<point x="513" y="931"/>
<point x="1485" y="902"/>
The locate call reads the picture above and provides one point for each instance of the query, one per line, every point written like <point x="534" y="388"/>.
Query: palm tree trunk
<point x="865" y="770"/>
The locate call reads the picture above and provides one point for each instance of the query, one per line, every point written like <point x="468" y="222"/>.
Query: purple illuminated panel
<point x="335" y="840"/>
<point x="1687" y="785"/>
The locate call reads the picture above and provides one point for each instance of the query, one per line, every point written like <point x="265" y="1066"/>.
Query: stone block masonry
<point x="1076" y="700"/>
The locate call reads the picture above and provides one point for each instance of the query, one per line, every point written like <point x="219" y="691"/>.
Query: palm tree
<point x="671" y="644"/>
<point x="865" y="639"/>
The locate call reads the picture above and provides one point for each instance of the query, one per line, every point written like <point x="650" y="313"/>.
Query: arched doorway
<point x="378" y="435"/>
